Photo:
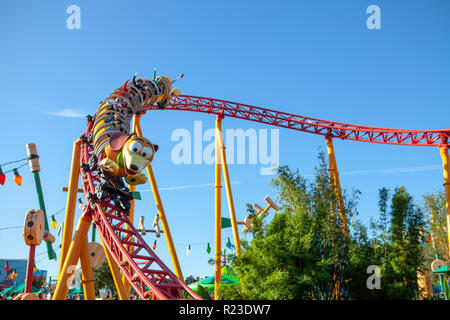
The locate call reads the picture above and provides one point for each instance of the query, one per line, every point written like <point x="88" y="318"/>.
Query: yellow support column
<point x="71" y="261"/>
<point x="128" y="247"/>
<point x="132" y="188"/>
<point x="334" y="175"/>
<point x="446" y="169"/>
<point x="87" y="271"/>
<point x="162" y="215"/>
<point x="228" y="189"/>
<point x="71" y="203"/>
<point x="218" y="214"/>
<point x="115" y="272"/>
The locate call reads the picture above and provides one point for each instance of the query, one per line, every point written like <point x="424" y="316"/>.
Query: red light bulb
<point x="2" y="177"/>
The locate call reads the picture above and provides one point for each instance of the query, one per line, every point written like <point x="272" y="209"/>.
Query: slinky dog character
<point x="126" y="155"/>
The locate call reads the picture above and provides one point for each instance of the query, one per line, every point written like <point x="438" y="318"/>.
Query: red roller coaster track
<point x="437" y="138"/>
<point x="117" y="231"/>
<point x="146" y="273"/>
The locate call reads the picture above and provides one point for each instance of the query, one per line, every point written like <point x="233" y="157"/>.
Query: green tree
<point x="400" y="253"/>
<point x="302" y="253"/>
<point x="435" y="209"/>
<point x="103" y="277"/>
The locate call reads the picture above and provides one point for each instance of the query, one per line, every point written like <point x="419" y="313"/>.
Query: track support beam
<point x="226" y="177"/>
<point x="71" y="261"/>
<point x="162" y="214"/>
<point x="218" y="210"/>
<point x="70" y="204"/>
<point x="115" y="272"/>
<point x="334" y="178"/>
<point x="86" y="271"/>
<point x="132" y="188"/>
<point x="446" y="169"/>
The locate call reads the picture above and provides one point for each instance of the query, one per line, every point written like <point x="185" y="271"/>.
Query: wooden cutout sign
<point x="33" y="230"/>
<point x="96" y="254"/>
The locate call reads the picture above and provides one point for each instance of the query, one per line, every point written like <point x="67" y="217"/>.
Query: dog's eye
<point x="135" y="146"/>
<point x="147" y="152"/>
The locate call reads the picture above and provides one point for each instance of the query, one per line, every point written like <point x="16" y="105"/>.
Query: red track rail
<point x="146" y="273"/>
<point x="116" y="230"/>
<point x="437" y="138"/>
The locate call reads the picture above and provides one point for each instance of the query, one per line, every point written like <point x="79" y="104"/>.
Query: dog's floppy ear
<point x="117" y="140"/>
<point x="156" y="147"/>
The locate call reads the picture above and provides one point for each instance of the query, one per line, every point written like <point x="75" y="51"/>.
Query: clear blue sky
<point x="314" y="58"/>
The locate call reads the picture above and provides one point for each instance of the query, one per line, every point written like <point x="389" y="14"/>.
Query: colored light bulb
<point x="17" y="178"/>
<point x="7" y="267"/>
<point x="208" y="249"/>
<point x="54" y="223"/>
<point x="154" y="245"/>
<point x="188" y="250"/>
<point x="35" y="269"/>
<point x="2" y="177"/>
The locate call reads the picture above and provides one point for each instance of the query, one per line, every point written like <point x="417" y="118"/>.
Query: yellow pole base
<point x="70" y="264"/>
<point x="87" y="271"/>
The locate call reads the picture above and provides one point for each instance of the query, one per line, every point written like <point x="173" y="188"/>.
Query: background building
<point x="20" y="267"/>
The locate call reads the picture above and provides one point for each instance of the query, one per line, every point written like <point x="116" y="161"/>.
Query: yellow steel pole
<point x="70" y="263"/>
<point x="115" y="272"/>
<point x="136" y="119"/>
<point x="162" y="215"/>
<point x="228" y="188"/>
<point x="446" y="169"/>
<point x="71" y="203"/>
<point x="337" y="185"/>
<point x="218" y="214"/>
<point x="129" y="248"/>
<point x="87" y="271"/>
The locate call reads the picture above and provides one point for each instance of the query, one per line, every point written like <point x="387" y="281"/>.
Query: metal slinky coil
<point x="117" y="110"/>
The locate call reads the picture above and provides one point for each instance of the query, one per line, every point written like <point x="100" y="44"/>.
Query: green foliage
<point x="103" y="277"/>
<point x="203" y="292"/>
<point x="434" y="207"/>
<point x="231" y="292"/>
<point x="303" y="253"/>
<point x="400" y="254"/>
<point x="296" y="255"/>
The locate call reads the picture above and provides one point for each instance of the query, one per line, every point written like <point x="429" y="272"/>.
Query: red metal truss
<point x="146" y="273"/>
<point x="439" y="138"/>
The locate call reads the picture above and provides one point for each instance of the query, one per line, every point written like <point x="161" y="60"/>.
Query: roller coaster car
<point x="165" y="91"/>
<point x="113" y="186"/>
<point x="127" y="155"/>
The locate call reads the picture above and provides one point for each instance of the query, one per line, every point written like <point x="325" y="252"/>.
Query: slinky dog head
<point x="137" y="152"/>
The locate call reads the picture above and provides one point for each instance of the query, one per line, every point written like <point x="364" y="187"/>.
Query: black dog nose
<point x="134" y="167"/>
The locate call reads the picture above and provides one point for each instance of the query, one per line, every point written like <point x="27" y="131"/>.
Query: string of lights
<point x="17" y="176"/>
<point x="15" y="161"/>
<point x="229" y="245"/>
<point x="53" y="215"/>
<point x="20" y="268"/>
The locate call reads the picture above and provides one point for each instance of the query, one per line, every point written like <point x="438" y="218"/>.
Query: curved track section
<point x="146" y="273"/>
<point x="437" y="138"/>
